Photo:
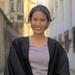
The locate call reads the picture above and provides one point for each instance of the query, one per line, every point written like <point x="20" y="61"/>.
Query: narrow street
<point x="14" y="23"/>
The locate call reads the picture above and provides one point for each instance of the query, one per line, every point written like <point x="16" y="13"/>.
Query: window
<point x="18" y="5"/>
<point x="22" y="5"/>
<point x="74" y="39"/>
<point x="66" y="40"/>
<point x="20" y="17"/>
<point x="60" y="39"/>
<point x="11" y="5"/>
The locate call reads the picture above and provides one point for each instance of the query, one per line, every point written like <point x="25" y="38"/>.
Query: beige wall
<point x="4" y="5"/>
<point x="1" y="44"/>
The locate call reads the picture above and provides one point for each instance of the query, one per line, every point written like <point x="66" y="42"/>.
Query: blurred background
<point x="14" y="23"/>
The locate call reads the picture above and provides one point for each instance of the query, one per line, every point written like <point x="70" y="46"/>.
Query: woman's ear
<point x="46" y="26"/>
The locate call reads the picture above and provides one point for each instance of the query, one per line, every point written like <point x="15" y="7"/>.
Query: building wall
<point x="16" y="15"/>
<point x="1" y="44"/>
<point x="7" y="35"/>
<point x="73" y="13"/>
<point x="4" y="5"/>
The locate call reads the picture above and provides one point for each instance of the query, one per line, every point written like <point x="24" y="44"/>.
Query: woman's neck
<point x="38" y="41"/>
<point x="38" y="37"/>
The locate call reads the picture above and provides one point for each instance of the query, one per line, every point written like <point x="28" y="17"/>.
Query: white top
<point x="39" y="58"/>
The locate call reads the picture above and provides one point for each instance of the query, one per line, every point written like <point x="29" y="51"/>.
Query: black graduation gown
<point x="18" y="60"/>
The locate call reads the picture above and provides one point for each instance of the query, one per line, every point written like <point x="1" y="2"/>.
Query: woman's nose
<point x="38" y="23"/>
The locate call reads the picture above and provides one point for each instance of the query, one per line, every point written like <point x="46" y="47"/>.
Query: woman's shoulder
<point x="19" y="39"/>
<point x="56" y="45"/>
<point x="54" y="42"/>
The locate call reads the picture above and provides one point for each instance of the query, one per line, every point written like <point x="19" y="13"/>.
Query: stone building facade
<point x="7" y="34"/>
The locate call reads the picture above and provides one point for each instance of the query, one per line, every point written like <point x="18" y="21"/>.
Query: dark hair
<point x="41" y="8"/>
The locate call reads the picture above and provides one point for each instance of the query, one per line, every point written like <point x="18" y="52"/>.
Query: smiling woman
<point x="37" y="54"/>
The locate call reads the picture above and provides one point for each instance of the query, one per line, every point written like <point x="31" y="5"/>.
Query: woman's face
<point x="39" y="22"/>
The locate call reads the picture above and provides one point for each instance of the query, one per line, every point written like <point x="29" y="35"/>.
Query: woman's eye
<point x="43" y="20"/>
<point x="35" y="19"/>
